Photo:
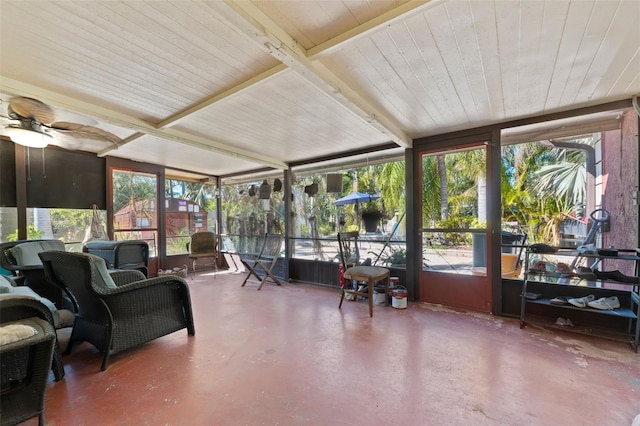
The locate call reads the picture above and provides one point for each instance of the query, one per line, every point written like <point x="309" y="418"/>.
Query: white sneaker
<point x="562" y="321"/>
<point x="581" y="302"/>
<point x="605" y="303"/>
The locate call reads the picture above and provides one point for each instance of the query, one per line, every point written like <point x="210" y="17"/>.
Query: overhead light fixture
<point x="30" y="138"/>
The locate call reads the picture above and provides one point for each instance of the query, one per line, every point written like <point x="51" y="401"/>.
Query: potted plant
<point x="371" y="215"/>
<point x="397" y="257"/>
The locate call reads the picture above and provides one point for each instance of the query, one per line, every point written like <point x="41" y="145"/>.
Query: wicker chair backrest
<point x="203" y="242"/>
<point x="7" y="259"/>
<point x="77" y="273"/>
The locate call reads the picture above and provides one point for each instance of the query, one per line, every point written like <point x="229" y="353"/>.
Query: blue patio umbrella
<point x="355" y="198"/>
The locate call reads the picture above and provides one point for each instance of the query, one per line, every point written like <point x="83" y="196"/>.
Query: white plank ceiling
<point x="226" y="87"/>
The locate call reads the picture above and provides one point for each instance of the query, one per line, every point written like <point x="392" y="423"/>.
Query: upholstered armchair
<point x="118" y="310"/>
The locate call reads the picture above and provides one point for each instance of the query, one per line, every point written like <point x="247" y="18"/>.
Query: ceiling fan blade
<point x="81" y="131"/>
<point x="31" y="108"/>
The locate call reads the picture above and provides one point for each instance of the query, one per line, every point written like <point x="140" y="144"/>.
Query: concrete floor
<point x="288" y="356"/>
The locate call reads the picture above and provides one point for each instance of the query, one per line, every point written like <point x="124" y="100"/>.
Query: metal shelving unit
<point x="563" y="284"/>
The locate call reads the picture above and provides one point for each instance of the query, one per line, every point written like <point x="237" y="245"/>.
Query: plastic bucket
<point x="399" y="297"/>
<point x="378" y="296"/>
<point x="394" y="282"/>
<point x="509" y="262"/>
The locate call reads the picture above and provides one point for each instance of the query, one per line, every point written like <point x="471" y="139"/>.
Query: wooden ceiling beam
<point x="239" y="88"/>
<point x="256" y="26"/>
<point x="401" y="12"/>
<point x="398" y="13"/>
<point x="17" y="88"/>
<point x="342" y="93"/>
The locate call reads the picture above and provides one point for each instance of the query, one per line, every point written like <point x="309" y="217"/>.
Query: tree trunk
<point x="42" y="222"/>
<point x="482" y="198"/>
<point x="444" y="187"/>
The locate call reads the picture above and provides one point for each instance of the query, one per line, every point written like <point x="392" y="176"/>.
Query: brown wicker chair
<point x="24" y="370"/>
<point x="203" y="245"/>
<point x="120" y="310"/>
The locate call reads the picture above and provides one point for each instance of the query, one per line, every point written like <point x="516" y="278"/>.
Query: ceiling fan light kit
<point x="36" y="127"/>
<point x="29" y="138"/>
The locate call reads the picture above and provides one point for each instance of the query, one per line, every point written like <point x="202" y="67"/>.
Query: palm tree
<point x="200" y="193"/>
<point x="566" y="176"/>
<point x="392" y="185"/>
<point x="431" y="181"/>
<point x="470" y="168"/>
<point x="542" y="186"/>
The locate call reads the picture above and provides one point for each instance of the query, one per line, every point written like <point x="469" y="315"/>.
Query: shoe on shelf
<point x="586" y="273"/>
<point x="581" y="302"/>
<point x="562" y="321"/>
<point x="605" y="303"/>
<point x="616" y="276"/>
<point x="531" y="296"/>
<point x="560" y="300"/>
<point x="542" y="248"/>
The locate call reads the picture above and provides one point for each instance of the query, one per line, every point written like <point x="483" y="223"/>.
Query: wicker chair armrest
<point x="145" y="296"/>
<point x="29" y="268"/>
<point x="14" y="309"/>
<point x="143" y="283"/>
<point x="126" y="276"/>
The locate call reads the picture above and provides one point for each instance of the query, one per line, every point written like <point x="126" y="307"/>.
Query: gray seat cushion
<point x="26" y="254"/>
<point x="103" y="279"/>
<point x="6" y="285"/>
<point x="61" y="318"/>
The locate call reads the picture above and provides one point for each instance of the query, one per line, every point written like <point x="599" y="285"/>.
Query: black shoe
<point x="542" y="248"/>
<point x="586" y="273"/>
<point x="616" y="276"/>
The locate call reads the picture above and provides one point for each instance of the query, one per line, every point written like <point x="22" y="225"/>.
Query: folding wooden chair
<point x="265" y="261"/>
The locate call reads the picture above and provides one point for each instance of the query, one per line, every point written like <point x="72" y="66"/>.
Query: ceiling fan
<point x="32" y="124"/>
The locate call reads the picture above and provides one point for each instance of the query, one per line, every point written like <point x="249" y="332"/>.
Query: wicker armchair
<point x="120" y="310"/>
<point x="24" y="370"/>
<point x="32" y="275"/>
<point x="22" y="308"/>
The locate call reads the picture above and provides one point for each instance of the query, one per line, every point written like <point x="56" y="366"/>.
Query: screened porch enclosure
<point x="456" y="247"/>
